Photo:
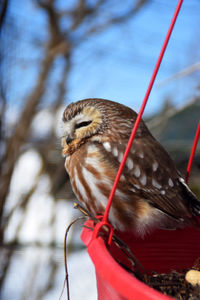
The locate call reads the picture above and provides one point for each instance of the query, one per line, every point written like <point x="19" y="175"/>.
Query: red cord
<point x="105" y="217"/>
<point x="192" y="153"/>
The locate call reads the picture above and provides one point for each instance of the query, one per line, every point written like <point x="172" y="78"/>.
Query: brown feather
<point x="150" y="192"/>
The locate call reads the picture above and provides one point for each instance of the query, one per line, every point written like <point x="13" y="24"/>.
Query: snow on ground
<point x="45" y="221"/>
<point x="45" y="120"/>
<point x="42" y="212"/>
<point x="42" y="123"/>
<point x="30" y="270"/>
<point x="25" y="172"/>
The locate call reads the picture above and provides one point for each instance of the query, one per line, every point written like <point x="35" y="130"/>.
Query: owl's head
<point x="97" y="120"/>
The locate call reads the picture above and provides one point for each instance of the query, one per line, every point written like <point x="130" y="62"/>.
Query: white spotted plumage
<point x="137" y="171"/>
<point x="156" y="184"/>
<point x="115" y="151"/>
<point x="155" y="166"/>
<point x="107" y="146"/>
<point x="170" y="182"/>
<point x="143" y="179"/>
<point x="129" y="163"/>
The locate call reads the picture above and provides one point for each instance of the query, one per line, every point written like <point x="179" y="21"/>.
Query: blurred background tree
<point x="56" y="51"/>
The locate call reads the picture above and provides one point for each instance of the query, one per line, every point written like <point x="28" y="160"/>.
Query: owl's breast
<point x="90" y="177"/>
<point x="76" y="159"/>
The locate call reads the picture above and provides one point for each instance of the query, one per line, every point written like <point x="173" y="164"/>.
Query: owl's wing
<point x="151" y="174"/>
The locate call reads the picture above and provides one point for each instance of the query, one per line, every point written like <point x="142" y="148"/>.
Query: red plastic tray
<point x="161" y="251"/>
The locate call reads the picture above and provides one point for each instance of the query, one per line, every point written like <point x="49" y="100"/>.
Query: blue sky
<point x="125" y="73"/>
<point x="117" y="64"/>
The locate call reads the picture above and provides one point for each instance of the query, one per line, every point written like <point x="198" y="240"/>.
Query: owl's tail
<point x="196" y="207"/>
<point x="194" y="202"/>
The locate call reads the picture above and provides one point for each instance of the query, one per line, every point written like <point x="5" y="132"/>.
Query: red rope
<point x="192" y="153"/>
<point x="105" y="217"/>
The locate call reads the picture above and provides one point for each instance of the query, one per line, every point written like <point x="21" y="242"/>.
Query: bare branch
<point x="54" y="27"/>
<point x="183" y="73"/>
<point x="21" y="132"/>
<point x="3" y="12"/>
<point x="119" y="19"/>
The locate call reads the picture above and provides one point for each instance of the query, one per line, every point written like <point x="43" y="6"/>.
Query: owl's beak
<point x="70" y="145"/>
<point x="68" y="139"/>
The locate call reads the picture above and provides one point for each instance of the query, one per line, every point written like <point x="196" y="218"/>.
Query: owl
<point x="151" y="192"/>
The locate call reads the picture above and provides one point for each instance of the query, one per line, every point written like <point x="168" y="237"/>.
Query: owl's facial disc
<point x="79" y="128"/>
